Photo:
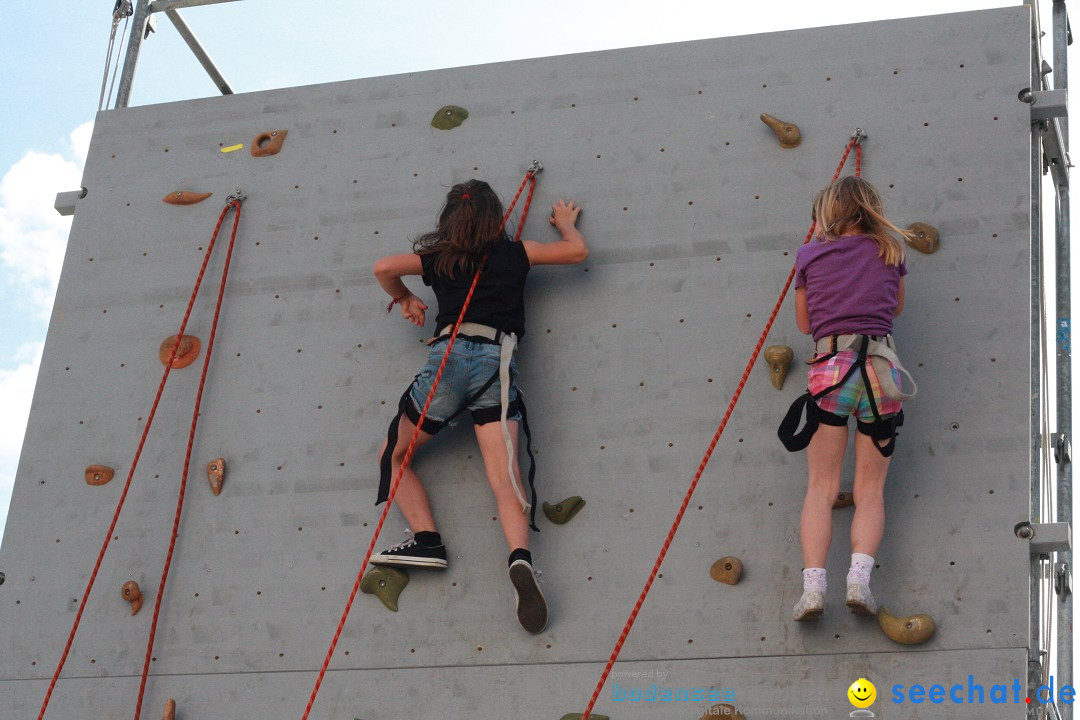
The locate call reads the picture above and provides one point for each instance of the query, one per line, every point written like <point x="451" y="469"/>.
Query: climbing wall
<point x="693" y="212"/>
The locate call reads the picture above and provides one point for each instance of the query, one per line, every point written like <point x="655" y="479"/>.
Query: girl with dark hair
<point x="480" y="374"/>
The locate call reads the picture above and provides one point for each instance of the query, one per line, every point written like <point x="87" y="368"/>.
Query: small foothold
<point x="578" y="716"/>
<point x="98" y="474"/>
<point x="170" y="710"/>
<point x="923" y="237"/>
<point x="778" y="358"/>
<point x="911" y="630"/>
<point x="186" y="351"/>
<point x="787" y="133"/>
<point x="562" y="512"/>
<point x="449" y="117"/>
<point x="268" y="143"/>
<point x="185" y="197"/>
<point x="723" y="710"/>
<point x="233" y="148"/>
<point x="843" y="500"/>
<point x="385" y="583"/>
<point x="130" y="592"/>
<point x="215" y="473"/>
<point x="727" y="570"/>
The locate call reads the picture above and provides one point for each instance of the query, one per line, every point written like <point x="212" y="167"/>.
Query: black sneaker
<point x="532" y="609"/>
<point x="412" y="554"/>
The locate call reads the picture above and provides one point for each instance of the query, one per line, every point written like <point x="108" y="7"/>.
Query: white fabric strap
<point x="506" y="353"/>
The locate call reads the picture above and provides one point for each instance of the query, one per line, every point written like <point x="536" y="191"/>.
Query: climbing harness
<point x="233" y="202"/>
<point x="853" y="144"/>
<point x="880" y="352"/>
<point x="530" y="180"/>
<point x="507" y="342"/>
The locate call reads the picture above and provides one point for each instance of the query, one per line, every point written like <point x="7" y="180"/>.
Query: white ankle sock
<point x="813" y="579"/>
<point x="861" y="567"/>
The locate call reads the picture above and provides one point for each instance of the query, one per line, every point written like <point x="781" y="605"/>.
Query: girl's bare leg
<point x="515" y="523"/>
<point x="824" y="459"/>
<point x="868" y="525"/>
<point x="411" y="498"/>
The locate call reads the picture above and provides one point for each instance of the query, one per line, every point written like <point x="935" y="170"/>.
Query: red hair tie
<point x="466" y="196"/>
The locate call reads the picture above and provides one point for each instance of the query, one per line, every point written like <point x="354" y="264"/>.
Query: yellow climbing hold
<point x="233" y="148"/>
<point x="911" y="630"/>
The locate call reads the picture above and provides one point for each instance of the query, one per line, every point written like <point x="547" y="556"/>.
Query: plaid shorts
<point x="851" y="397"/>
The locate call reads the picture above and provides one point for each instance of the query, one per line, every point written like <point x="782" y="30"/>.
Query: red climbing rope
<point x="854" y="143"/>
<point x="233" y="202"/>
<point x="138" y="454"/>
<point x="530" y="180"/>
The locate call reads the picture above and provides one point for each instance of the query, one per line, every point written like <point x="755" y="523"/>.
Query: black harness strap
<point x="433" y="426"/>
<point x="880" y="429"/>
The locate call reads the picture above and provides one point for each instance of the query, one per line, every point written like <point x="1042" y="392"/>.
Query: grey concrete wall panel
<point x="693" y="213"/>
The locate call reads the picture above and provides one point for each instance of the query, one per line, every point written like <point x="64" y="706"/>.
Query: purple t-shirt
<point x="849" y="289"/>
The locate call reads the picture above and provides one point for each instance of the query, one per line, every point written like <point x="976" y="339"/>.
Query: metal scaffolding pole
<point x="1063" y="566"/>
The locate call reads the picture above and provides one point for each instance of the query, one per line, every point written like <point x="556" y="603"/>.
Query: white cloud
<point x="16" y="393"/>
<point x="33" y="235"/>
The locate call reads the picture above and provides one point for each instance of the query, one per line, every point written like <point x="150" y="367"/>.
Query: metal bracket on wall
<point x="1048" y="107"/>
<point x="1045" y="538"/>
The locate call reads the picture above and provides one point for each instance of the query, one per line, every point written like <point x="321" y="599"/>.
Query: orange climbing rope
<point x="855" y="143"/>
<point x="233" y="202"/>
<point x="530" y="180"/>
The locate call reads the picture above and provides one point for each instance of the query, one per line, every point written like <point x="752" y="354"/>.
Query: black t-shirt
<point x="499" y="300"/>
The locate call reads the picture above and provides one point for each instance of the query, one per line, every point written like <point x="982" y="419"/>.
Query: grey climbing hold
<point x="449" y="117"/>
<point x="385" y="583"/>
<point x="562" y="512"/>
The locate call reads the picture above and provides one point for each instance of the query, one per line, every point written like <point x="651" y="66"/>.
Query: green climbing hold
<point x="577" y="716"/>
<point x="562" y="512"/>
<point x="385" y="583"/>
<point x="449" y="117"/>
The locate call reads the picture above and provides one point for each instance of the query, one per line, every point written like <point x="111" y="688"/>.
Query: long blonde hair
<point x="852" y="206"/>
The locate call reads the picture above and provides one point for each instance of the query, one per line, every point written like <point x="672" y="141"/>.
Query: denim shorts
<point x="851" y="397"/>
<point x="470" y="365"/>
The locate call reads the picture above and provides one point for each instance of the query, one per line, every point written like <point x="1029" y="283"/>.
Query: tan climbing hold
<point x="778" y="358"/>
<point x="727" y="570"/>
<point x="268" y="143"/>
<point x="185" y="197"/>
<point x="130" y="592"/>
<point x="562" y="512"/>
<point x="911" y="630"/>
<point x="843" y="500"/>
<point x="170" y="710"/>
<point x="723" y="710"/>
<point x="923" y="237"/>
<point x="186" y="351"/>
<point x="99" y="474"/>
<point x="578" y="716"/>
<point x="385" y="583"/>
<point x="215" y="473"/>
<point x="787" y="133"/>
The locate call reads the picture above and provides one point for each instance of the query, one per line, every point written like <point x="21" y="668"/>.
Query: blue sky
<point x="54" y="59"/>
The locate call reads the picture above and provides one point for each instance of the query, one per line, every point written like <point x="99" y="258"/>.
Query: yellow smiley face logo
<point x="862" y="693"/>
